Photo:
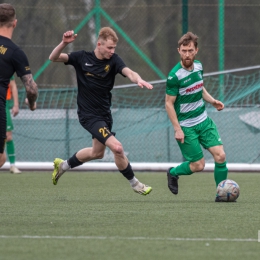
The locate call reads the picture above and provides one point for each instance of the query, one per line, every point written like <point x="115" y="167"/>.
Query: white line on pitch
<point x="132" y="238"/>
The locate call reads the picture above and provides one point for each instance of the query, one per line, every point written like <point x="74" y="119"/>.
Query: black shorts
<point x="2" y="127"/>
<point x="99" y="127"/>
<point x="2" y="145"/>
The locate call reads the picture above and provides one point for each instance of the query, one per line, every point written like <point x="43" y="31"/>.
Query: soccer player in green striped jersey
<point x="184" y="103"/>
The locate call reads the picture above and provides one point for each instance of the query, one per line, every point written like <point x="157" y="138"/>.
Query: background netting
<point x="141" y="122"/>
<point x="148" y="32"/>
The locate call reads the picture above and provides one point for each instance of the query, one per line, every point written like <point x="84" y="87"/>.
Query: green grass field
<point x="98" y="216"/>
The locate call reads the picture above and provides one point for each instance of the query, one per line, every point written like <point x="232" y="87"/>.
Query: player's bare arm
<point x="15" y="108"/>
<point x="169" y="101"/>
<point x="135" y="78"/>
<point x="57" y="55"/>
<point x="214" y="102"/>
<point x="31" y="90"/>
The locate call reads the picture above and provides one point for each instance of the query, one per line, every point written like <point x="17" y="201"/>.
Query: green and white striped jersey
<point x="187" y="86"/>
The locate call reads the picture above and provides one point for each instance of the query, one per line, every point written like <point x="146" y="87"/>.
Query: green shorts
<point x="9" y="121"/>
<point x="204" y="134"/>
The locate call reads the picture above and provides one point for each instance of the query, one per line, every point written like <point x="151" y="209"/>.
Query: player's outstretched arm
<point x="15" y="108"/>
<point x="135" y="78"/>
<point x="214" y="102"/>
<point x="178" y="133"/>
<point x="56" y="54"/>
<point x="31" y="90"/>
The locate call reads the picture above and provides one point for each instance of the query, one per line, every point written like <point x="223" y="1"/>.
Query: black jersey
<point x="95" y="81"/>
<point x="12" y="59"/>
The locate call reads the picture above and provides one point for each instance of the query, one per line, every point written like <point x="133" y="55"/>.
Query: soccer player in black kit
<point x="96" y="71"/>
<point x="12" y="59"/>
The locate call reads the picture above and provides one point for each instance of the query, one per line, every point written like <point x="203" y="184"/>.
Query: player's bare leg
<point x="84" y="155"/>
<point x="2" y="159"/>
<point x="124" y="166"/>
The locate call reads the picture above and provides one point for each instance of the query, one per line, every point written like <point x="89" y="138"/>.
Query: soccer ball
<point x="228" y="191"/>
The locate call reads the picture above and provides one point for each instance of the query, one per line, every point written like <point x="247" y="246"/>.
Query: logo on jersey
<point x="2" y="49"/>
<point x="87" y="64"/>
<point x="27" y="68"/>
<point x="195" y="88"/>
<point x="106" y="69"/>
<point x="200" y="75"/>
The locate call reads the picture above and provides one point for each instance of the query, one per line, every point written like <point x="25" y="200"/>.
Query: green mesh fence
<point x="141" y="122"/>
<point x="148" y="33"/>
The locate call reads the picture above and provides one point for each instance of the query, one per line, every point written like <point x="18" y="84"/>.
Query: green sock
<point x="10" y="151"/>
<point x="182" y="169"/>
<point x="220" y="172"/>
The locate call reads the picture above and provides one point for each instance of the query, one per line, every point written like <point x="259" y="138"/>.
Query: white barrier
<point x="107" y="166"/>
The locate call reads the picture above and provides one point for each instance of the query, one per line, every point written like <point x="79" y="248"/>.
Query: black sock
<point x="73" y="161"/>
<point x="128" y="172"/>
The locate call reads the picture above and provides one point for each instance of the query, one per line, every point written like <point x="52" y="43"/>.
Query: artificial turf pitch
<point x="98" y="216"/>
